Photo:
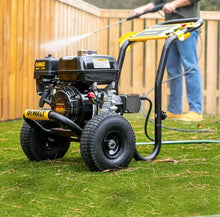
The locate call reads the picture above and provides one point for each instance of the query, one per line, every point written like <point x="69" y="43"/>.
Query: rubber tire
<point x="34" y="144"/>
<point x="93" y="142"/>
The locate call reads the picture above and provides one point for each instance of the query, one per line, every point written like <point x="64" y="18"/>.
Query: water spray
<point x="56" y="45"/>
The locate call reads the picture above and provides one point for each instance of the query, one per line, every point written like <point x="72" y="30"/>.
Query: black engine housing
<point x="70" y="85"/>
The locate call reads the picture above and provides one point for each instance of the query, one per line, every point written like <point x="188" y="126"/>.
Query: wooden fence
<point x="27" y="24"/>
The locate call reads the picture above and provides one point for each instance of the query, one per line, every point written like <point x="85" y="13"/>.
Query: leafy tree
<point x="210" y="5"/>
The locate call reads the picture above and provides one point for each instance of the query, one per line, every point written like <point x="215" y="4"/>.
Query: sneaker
<point x="172" y="116"/>
<point x="192" y="116"/>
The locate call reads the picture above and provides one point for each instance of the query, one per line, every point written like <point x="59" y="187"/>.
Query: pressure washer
<point x="86" y="107"/>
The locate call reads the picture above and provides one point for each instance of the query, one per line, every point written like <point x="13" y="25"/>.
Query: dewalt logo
<point x="40" y="65"/>
<point x="36" y="114"/>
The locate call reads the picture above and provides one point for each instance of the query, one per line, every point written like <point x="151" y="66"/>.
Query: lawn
<point x="183" y="181"/>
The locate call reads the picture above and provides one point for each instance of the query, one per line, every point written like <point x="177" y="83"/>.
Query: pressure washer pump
<point x="85" y="106"/>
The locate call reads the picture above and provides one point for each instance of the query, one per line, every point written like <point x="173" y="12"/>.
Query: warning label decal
<point x="101" y="64"/>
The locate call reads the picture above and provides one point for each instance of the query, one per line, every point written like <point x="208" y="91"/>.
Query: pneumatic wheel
<point x="38" y="147"/>
<point x="107" y="142"/>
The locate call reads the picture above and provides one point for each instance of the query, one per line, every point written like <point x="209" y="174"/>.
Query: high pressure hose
<point x="180" y="142"/>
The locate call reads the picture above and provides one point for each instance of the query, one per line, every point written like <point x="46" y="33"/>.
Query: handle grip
<point x="155" y="9"/>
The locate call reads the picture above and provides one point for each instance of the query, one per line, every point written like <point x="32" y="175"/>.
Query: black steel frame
<point x="159" y="78"/>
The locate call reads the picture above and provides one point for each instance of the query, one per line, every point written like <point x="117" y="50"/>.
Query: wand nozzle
<point x="155" y="9"/>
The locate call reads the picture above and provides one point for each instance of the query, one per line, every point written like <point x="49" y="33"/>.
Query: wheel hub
<point x="112" y="144"/>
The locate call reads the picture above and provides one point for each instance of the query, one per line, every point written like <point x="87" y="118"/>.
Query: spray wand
<point x="58" y="44"/>
<point x="155" y="9"/>
<point x="55" y="45"/>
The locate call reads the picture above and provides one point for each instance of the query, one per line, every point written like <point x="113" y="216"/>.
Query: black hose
<point x="147" y="117"/>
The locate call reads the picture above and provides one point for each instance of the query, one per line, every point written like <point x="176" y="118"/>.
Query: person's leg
<point x="188" y="53"/>
<point x="176" y="85"/>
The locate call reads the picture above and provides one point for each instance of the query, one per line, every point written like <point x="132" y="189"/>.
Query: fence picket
<point x="212" y="68"/>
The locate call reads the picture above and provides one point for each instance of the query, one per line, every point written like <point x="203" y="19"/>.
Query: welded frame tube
<point x="158" y="97"/>
<point x="158" y="87"/>
<point x="120" y="60"/>
<point x="158" y="103"/>
<point x="158" y="92"/>
<point x="66" y="122"/>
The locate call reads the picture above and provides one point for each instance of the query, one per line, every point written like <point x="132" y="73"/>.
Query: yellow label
<point x="40" y="65"/>
<point x="37" y="114"/>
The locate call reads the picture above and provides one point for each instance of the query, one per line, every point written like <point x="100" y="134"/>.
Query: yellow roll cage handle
<point x="159" y="32"/>
<point x="124" y="37"/>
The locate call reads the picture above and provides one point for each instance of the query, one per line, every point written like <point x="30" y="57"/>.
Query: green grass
<point x="183" y="181"/>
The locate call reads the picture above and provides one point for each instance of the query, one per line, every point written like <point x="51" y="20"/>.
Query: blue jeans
<point x="184" y="53"/>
